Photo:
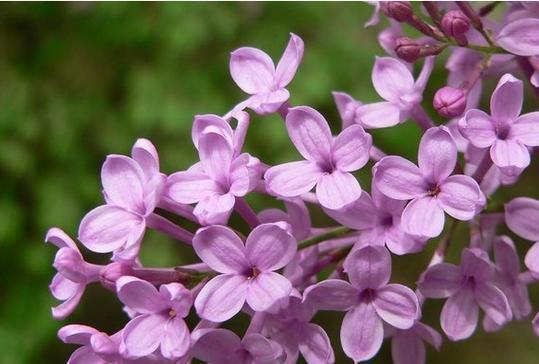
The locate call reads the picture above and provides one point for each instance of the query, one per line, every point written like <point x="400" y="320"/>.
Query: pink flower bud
<point x="455" y="24"/>
<point x="112" y="272"/>
<point x="407" y="49"/>
<point x="449" y="101"/>
<point x="399" y="10"/>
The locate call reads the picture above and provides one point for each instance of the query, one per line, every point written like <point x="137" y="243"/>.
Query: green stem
<point x="336" y="233"/>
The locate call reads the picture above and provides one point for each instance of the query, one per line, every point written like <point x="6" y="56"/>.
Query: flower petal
<point x="190" y="186"/>
<point x="76" y="334"/>
<point x="221" y="249"/>
<point x="399" y="178"/>
<point x="346" y="105"/>
<point x="506" y="255"/>
<point x="506" y="100"/>
<point x="331" y="294"/>
<point x="424" y="217"/>
<point x="266" y="289"/>
<point x="360" y="215"/>
<point x="350" y="149"/>
<point x="526" y="129"/>
<point x="461" y="197"/>
<point x="140" y="296"/>
<point x="252" y="70"/>
<point x="293" y="179"/>
<point x="510" y="156"/>
<point x="216" y="345"/>
<point x="362" y="332"/>
<point x="59" y="238"/>
<point x="214" y="209"/>
<point x="142" y="335"/>
<point x="520" y="37"/>
<point x="337" y="189"/>
<point x="216" y="156"/>
<point x="477" y="127"/>
<point x="440" y="281"/>
<point x="407" y="348"/>
<point x="391" y="78"/>
<point x="522" y="217"/>
<point x="289" y="62"/>
<point x="397" y="305"/>
<point x="145" y="154"/>
<point x="459" y="315"/>
<point x="269" y="247"/>
<point x="176" y="339"/>
<point x="211" y="123"/>
<point x="378" y="115"/>
<point x="315" y="345"/>
<point x="123" y="183"/>
<point x="492" y="300"/>
<point x="222" y="297"/>
<point x="532" y="259"/>
<point x="368" y="267"/>
<point x="437" y="155"/>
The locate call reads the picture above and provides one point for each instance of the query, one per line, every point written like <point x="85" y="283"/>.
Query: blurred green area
<point x="79" y="81"/>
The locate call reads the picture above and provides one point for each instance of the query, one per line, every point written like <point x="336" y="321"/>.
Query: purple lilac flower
<point x="247" y="271"/>
<point x="159" y="323"/>
<point x="73" y="275"/>
<point x="132" y="188"/>
<point x="220" y="346"/>
<point x="408" y="345"/>
<point x="368" y="299"/>
<point x="221" y="176"/>
<point x="379" y="220"/>
<point x="430" y="187"/>
<point x="394" y="82"/>
<point x="328" y="160"/>
<point x="255" y="73"/>
<point x="466" y="287"/>
<point x="505" y="131"/>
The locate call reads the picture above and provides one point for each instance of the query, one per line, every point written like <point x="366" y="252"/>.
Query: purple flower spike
<point x="408" y="346"/>
<point x="328" y="161"/>
<point x="220" y="346"/>
<point x="73" y="275"/>
<point x="431" y="187"/>
<point x="255" y="73"/>
<point x="467" y="288"/>
<point x="394" y="82"/>
<point x="132" y="189"/>
<point x="368" y="299"/>
<point x="222" y="174"/>
<point x="160" y="321"/>
<point x="247" y="271"/>
<point x="504" y="131"/>
<point x="379" y="219"/>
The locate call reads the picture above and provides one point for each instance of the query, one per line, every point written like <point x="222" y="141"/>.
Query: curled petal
<point x="399" y="178"/>
<point x="437" y="155"/>
<point x="461" y="197"/>
<point x="459" y="315"/>
<point x="440" y="281"/>
<point x="67" y="291"/>
<point x="190" y="186"/>
<point x="391" y="78"/>
<point x="331" y="294"/>
<point x="293" y="179"/>
<point x="140" y="296"/>
<point x="289" y="62"/>
<point x="506" y="255"/>
<point x="520" y="37"/>
<point x="315" y="346"/>
<point x="358" y="215"/>
<point x="428" y="334"/>
<point x="145" y="154"/>
<point x="510" y="156"/>
<point x="492" y="300"/>
<point x="368" y="267"/>
<point x="337" y="189"/>
<point x="350" y="150"/>
<point x="522" y="217"/>
<point x="123" y="183"/>
<point x="526" y="129"/>
<point x="362" y="332"/>
<point x="222" y="297"/>
<point x="266" y="289"/>
<point x="252" y="70"/>
<point x="214" y="209"/>
<point x="423" y="217"/>
<point x="346" y="105"/>
<point x="76" y="334"/>
<point x="269" y="247"/>
<point x="477" y="127"/>
<point x="397" y="305"/>
<point x="213" y="124"/>
<point x="59" y="238"/>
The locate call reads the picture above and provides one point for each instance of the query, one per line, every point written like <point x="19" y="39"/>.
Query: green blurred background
<point x="81" y="80"/>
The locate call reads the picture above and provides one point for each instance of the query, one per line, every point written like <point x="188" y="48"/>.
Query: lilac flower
<point x="369" y="301"/>
<point x="507" y="279"/>
<point x="328" y="163"/>
<point x="221" y="176"/>
<point x="160" y="321"/>
<point x="505" y="132"/>
<point x="430" y="186"/>
<point x="132" y="189"/>
<point x="520" y="37"/>
<point x="394" y="83"/>
<point x="467" y="288"/>
<point x="255" y="73"/>
<point x="73" y="275"/>
<point x="347" y="106"/>
<point x="247" y="270"/>
<point x="291" y="327"/>
<point x="408" y="346"/>
<point x="220" y="346"/>
<point x="379" y="219"/>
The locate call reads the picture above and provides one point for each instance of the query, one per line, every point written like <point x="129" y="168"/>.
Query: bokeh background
<point x="79" y="81"/>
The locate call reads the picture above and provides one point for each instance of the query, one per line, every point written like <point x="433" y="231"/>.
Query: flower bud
<point x="449" y="101"/>
<point x="112" y="272"/>
<point x="399" y="10"/>
<point x="408" y="49"/>
<point x="455" y="24"/>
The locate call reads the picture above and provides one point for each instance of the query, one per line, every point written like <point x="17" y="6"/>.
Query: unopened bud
<point x="455" y="24"/>
<point x="401" y="11"/>
<point x="408" y="49"/>
<point x="450" y="102"/>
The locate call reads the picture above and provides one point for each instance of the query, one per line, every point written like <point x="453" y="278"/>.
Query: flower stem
<point x="246" y="212"/>
<point x="336" y="233"/>
<point x="159" y="223"/>
<point x="482" y="168"/>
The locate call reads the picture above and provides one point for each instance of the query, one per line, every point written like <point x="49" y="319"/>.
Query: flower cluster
<point x="285" y="270"/>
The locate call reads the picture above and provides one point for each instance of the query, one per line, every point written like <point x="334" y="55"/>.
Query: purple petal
<point x="266" y="289"/>
<point x="532" y="258"/>
<point x="362" y="332"/>
<point x="346" y="105"/>
<point x="123" y="183"/>
<point x="76" y="334"/>
<point x="310" y="133"/>
<point x="477" y="127"/>
<point x="222" y="297"/>
<point x="350" y="149"/>
<point x="459" y="315"/>
<point x="397" y="305"/>
<point x="337" y="190"/>
<point x="215" y="156"/>
<point x="522" y="217"/>
<point x="299" y="217"/>
<point x="261" y="349"/>
<point x="424" y="217"/>
<point x="85" y="355"/>
<point x="178" y="297"/>
<point x="428" y="334"/>
<point x="474" y="262"/>
<point x="142" y="335"/>
<point x="526" y="129"/>
<point x="398" y="242"/>
<point x="461" y="197"/>
<point x="176" y="339"/>
<point x="506" y="255"/>
<point x="145" y="154"/>
<point x="506" y="100"/>
<point x="399" y="178"/>
<point x="221" y="249"/>
<point x="332" y="295"/>
<point x="407" y="348"/>
<point x="358" y="215"/>
<point x="140" y="296"/>
<point x="252" y="70"/>
<point x="211" y="123"/>
<point x="391" y="79"/>
<point x="107" y="228"/>
<point x="520" y="37"/>
<point x="59" y="238"/>
<point x="510" y="156"/>
<point x="492" y="300"/>
<point x="214" y="209"/>
<point x="268" y="103"/>
<point x="368" y="267"/>
<point x="289" y="62"/>
<point x="67" y="291"/>
<point x="190" y="186"/>
<point x="315" y="345"/>
<point x="215" y="345"/>
<point x="269" y="247"/>
<point x="293" y="179"/>
<point x="437" y="155"/>
<point x="378" y="115"/>
<point x="244" y="174"/>
<point x="440" y="281"/>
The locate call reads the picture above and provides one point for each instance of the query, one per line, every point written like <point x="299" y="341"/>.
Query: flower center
<point x="172" y="313"/>
<point x="434" y="191"/>
<point x="367" y="295"/>
<point x="253" y="273"/>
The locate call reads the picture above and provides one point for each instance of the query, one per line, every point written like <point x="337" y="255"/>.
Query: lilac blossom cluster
<point x="274" y="274"/>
